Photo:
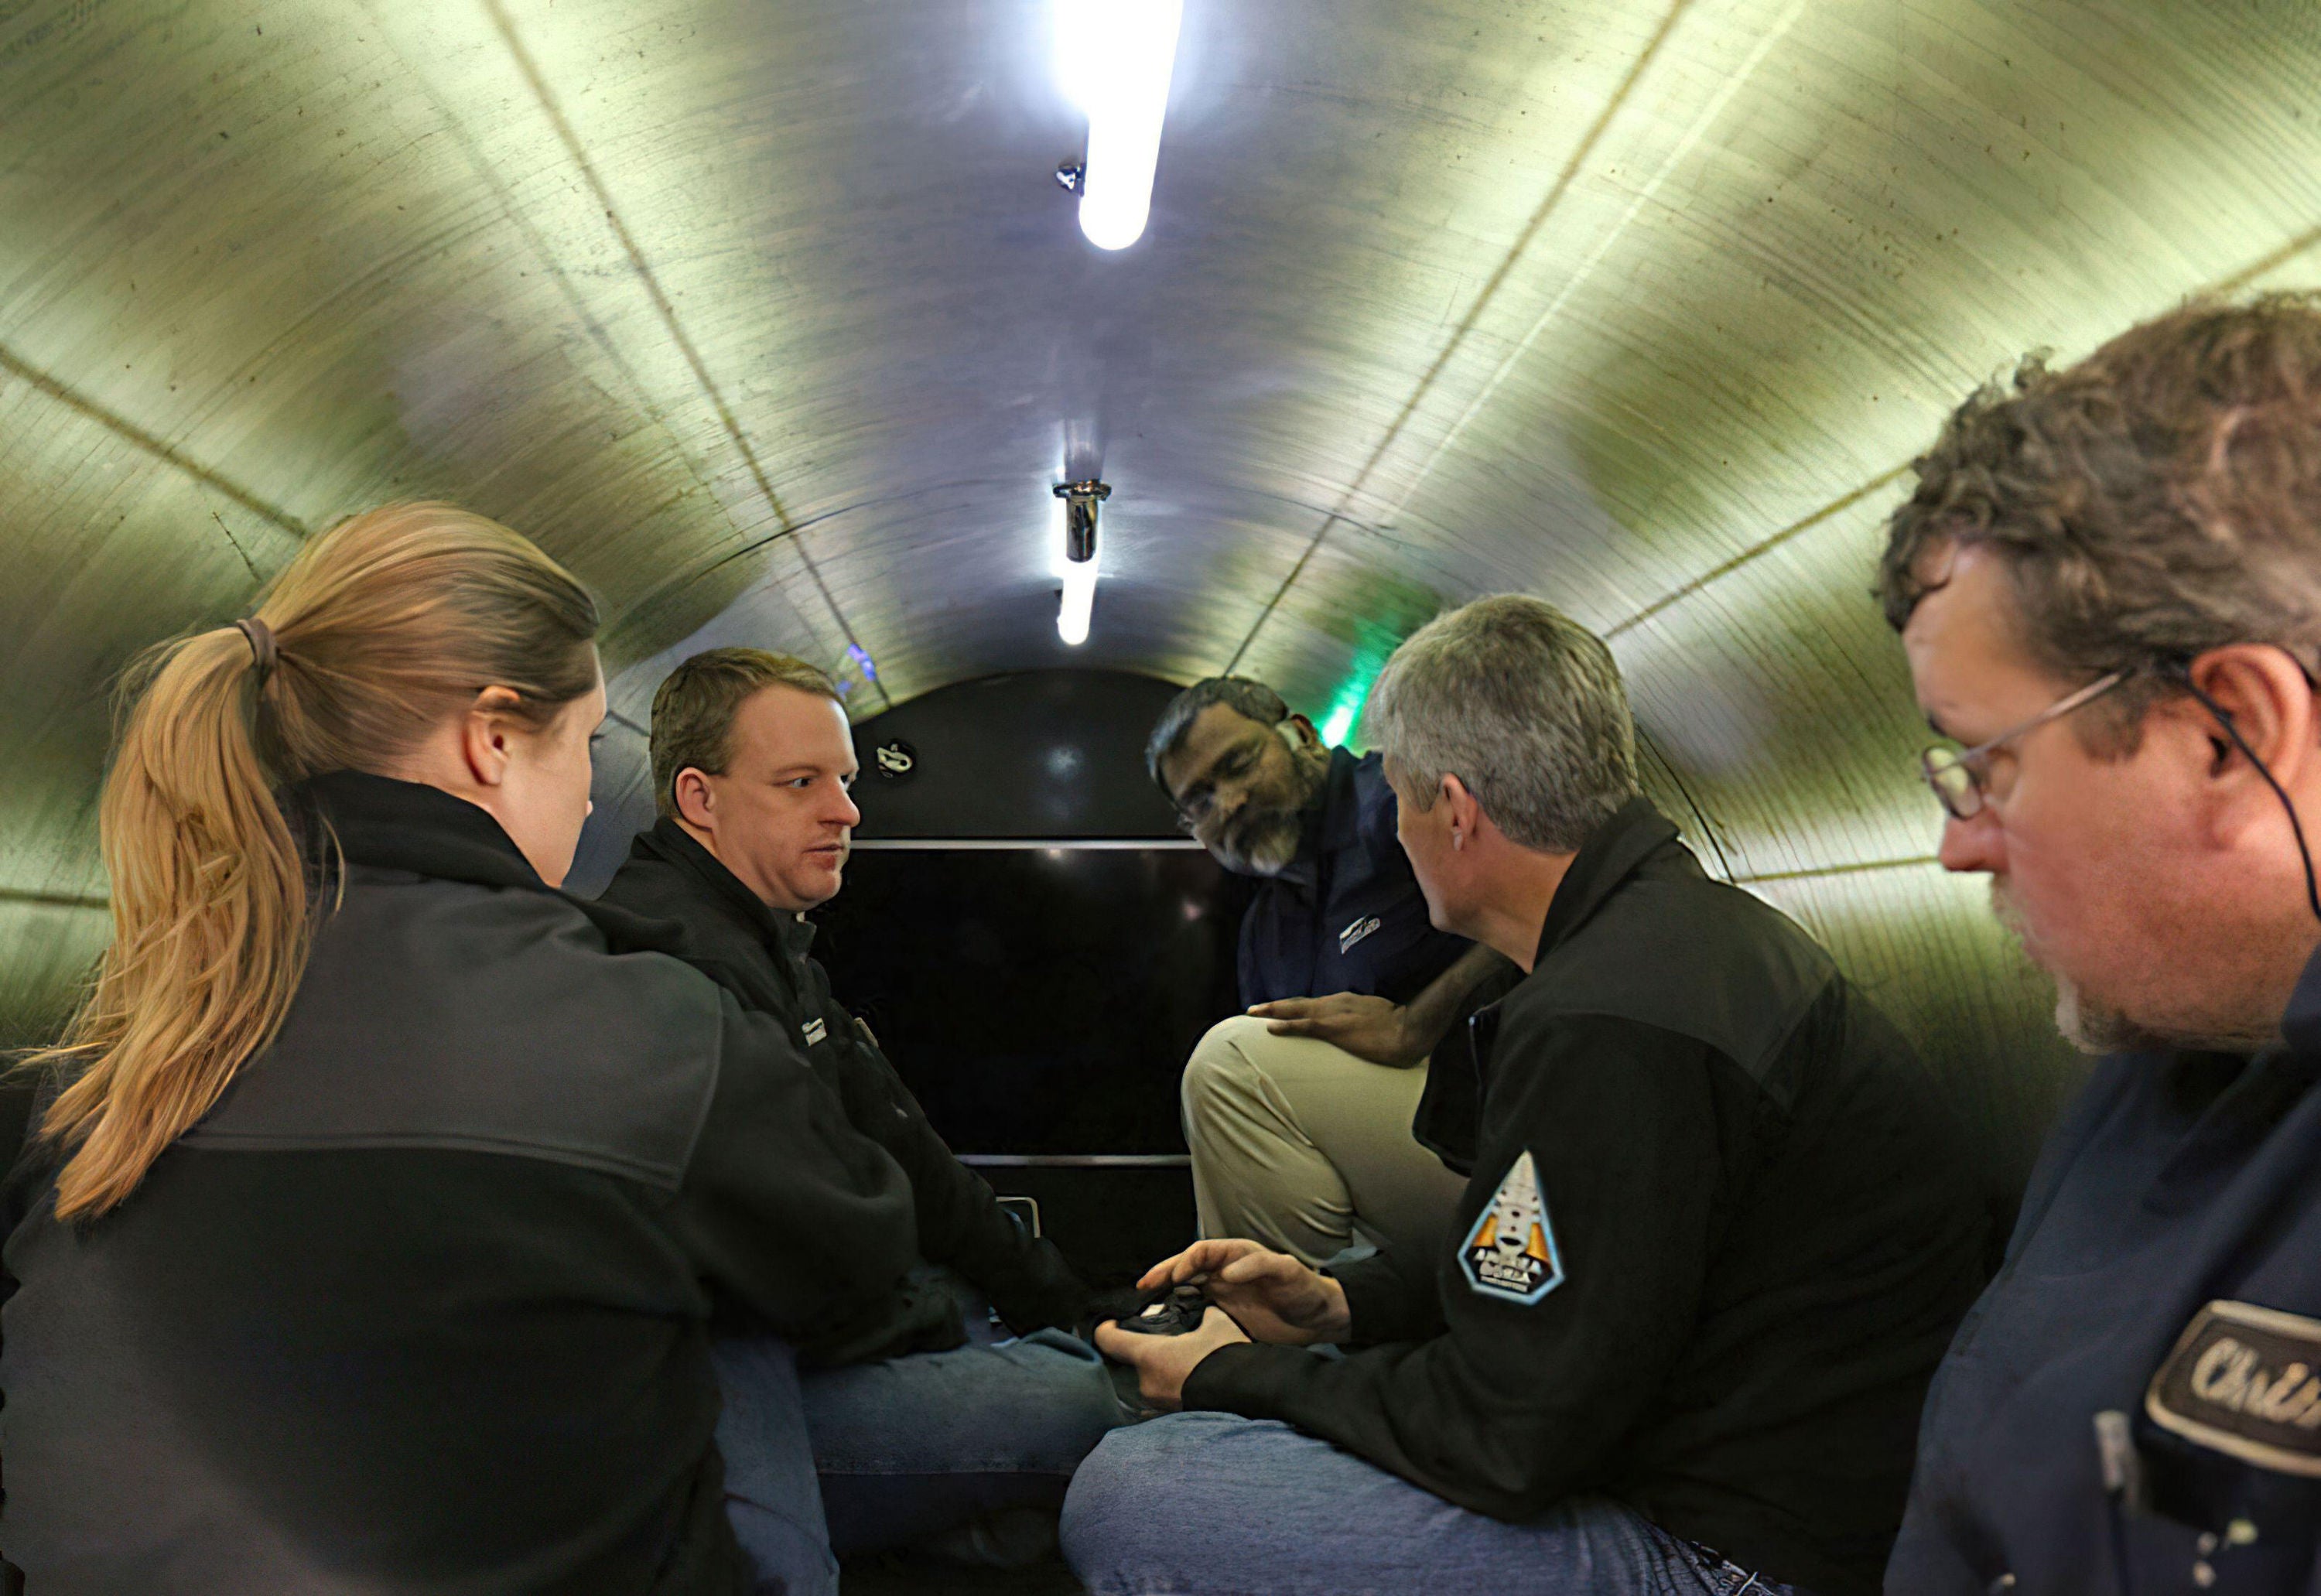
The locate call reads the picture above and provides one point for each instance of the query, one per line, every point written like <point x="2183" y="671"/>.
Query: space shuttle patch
<point x="1511" y="1252"/>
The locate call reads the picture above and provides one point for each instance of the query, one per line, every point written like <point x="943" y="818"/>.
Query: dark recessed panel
<point x="1038" y="1000"/>
<point x="1036" y="753"/>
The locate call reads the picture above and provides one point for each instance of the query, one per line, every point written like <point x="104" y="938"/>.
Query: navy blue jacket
<point x="2166" y="1268"/>
<point x="1347" y="915"/>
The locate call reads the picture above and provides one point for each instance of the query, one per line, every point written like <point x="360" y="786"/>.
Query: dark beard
<point x="1264" y="842"/>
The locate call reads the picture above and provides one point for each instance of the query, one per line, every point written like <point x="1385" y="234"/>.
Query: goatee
<point x="1264" y="844"/>
<point x="2097" y="1027"/>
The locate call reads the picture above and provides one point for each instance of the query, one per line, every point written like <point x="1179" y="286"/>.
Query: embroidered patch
<point x="2245" y="1381"/>
<point x="1355" y="932"/>
<point x="813" y="1031"/>
<point x="1511" y="1252"/>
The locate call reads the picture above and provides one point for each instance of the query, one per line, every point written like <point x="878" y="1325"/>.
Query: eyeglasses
<point x="1960" y="777"/>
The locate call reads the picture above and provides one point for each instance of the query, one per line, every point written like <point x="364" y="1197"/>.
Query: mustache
<point x="1256" y="829"/>
<point x="2009" y="916"/>
<point x="2013" y="921"/>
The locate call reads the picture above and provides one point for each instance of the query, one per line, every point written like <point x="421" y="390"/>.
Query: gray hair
<point x="1524" y="705"/>
<point x="1252" y="699"/>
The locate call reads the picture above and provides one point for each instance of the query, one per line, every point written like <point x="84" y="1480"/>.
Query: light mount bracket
<point x="1081" y="502"/>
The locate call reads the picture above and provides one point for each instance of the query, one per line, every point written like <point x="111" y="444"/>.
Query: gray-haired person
<point x="1718" y="1233"/>
<point x="1298" y="1113"/>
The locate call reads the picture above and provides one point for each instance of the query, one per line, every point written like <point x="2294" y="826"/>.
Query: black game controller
<point x="1176" y="1314"/>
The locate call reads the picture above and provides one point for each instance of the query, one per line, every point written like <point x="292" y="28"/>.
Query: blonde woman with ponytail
<point x="380" y="1197"/>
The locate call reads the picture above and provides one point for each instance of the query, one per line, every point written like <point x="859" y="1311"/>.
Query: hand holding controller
<point x="1178" y="1313"/>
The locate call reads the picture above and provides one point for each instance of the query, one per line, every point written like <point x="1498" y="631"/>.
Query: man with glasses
<point x="2108" y="586"/>
<point x="1299" y="1112"/>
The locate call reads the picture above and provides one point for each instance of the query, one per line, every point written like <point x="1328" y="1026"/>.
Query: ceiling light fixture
<point x="1078" y="565"/>
<point x="1114" y="58"/>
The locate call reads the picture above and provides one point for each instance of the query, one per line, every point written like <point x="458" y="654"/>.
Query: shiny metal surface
<point x="771" y="320"/>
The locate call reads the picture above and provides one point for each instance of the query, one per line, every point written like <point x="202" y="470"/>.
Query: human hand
<point x="1164" y="1363"/>
<point x="1369" y="1028"/>
<point x="1270" y="1295"/>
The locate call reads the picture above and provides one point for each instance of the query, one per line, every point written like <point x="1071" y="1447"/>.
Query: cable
<point x="2183" y="675"/>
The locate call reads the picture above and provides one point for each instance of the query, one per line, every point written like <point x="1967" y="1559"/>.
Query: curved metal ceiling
<point x="770" y="320"/>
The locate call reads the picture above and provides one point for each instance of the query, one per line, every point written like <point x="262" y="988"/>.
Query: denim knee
<point x="1080" y="1405"/>
<point x="1117" y="1514"/>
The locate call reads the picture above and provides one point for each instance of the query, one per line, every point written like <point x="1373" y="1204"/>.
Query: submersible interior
<point x="774" y="323"/>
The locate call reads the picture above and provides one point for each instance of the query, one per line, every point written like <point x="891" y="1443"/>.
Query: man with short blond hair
<point x="2108" y="583"/>
<point x="915" y="1435"/>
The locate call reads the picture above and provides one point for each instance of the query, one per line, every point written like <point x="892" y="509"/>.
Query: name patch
<point x="1356" y="932"/>
<point x="1511" y="1252"/>
<point x="2245" y="1381"/>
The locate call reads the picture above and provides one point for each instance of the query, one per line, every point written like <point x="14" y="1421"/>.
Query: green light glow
<point x="1340" y="725"/>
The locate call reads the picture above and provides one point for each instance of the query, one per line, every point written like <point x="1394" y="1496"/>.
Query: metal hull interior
<point x="768" y="318"/>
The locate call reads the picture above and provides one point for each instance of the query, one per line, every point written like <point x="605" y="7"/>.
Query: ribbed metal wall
<point x="769" y="319"/>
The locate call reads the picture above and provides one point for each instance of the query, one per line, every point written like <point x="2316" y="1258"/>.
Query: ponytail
<point x="210" y="921"/>
<point x="377" y="629"/>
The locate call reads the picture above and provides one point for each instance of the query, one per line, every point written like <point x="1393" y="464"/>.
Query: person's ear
<point x="1301" y="735"/>
<point x="1465" y="814"/>
<point x="488" y="734"/>
<point x="695" y="802"/>
<point x="2273" y="708"/>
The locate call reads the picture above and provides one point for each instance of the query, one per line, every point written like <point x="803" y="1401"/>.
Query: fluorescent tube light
<point x="1115" y="58"/>
<point x="1080" y="601"/>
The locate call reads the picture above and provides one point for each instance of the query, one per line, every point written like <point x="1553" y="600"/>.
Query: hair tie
<point x="261" y="645"/>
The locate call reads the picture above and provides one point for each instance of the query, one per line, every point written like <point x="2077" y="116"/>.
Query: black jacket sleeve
<point x="787" y="1208"/>
<point x="961" y="1225"/>
<point x="1390" y="1297"/>
<point x="1513" y="1406"/>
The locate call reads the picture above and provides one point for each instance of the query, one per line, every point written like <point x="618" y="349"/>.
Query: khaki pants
<point x="1297" y="1143"/>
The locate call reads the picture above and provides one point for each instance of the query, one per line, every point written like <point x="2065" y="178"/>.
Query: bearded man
<point x="1299" y="1113"/>
<point x="2106" y="584"/>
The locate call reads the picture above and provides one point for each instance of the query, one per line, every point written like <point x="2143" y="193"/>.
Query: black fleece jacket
<point x="424" y="1302"/>
<point x="761" y="957"/>
<point x="1719" y="1234"/>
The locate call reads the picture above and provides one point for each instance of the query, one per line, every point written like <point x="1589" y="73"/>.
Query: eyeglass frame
<point x="1975" y="761"/>
<point x="2176" y="670"/>
<point x="1202" y="791"/>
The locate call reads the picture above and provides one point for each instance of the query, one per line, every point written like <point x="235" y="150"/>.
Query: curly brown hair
<point x="2158" y="498"/>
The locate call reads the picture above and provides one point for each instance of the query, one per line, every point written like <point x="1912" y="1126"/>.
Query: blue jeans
<point x="904" y="1448"/>
<point x="1218" y="1504"/>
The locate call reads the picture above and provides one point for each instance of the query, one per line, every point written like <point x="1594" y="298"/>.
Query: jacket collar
<point x="672" y="844"/>
<point x="1610" y="855"/>
<point x="1330" y="823"/>
<point x="2300" y="1023"/>
<point x="409" y="825"/>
